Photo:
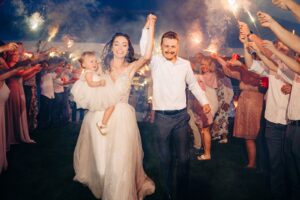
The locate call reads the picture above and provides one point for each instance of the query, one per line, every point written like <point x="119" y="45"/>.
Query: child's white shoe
<point x="102" y="128"/>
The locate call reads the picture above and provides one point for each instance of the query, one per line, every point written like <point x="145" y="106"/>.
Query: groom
<point x="171" y="75"/>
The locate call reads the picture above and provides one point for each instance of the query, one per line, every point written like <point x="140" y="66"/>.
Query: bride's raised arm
<point x="146" y="43"/>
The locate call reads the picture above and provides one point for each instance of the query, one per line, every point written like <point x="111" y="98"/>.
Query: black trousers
<point x="173" y="139"/>
<point x="292" y="159"/>
<point x="274" y="134"/>
<point x="46" y="108"/>
<point x="28" y="97"/>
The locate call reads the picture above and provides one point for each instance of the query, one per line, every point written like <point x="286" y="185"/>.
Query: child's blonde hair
<point x="83" y="55"/>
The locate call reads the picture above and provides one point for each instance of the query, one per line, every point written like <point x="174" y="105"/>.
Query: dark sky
<point x="97" y="20"/>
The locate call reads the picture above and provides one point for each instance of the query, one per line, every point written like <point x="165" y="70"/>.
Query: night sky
<point x="96" y="21"/>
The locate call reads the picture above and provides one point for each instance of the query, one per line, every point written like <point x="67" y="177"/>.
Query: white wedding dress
<point x="112" y="165"/>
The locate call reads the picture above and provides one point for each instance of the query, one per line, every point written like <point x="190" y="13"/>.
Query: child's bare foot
<point x="102" y="128"/>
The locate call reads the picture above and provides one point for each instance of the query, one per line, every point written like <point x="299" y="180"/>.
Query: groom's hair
<point x="83" y="55"/>
<point x="170" y="35"/>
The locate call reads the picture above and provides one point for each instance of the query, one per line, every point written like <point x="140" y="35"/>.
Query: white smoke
<point x="20" y="7"/>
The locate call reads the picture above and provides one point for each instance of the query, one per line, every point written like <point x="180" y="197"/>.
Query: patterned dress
<point x="225" y="95"/>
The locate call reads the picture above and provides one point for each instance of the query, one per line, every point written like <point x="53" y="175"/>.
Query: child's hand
<point x="102" y="83"/>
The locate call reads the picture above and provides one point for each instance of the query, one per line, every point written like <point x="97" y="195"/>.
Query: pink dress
<point x="16" y="123"/>
<point x="248" y="111"/>
<point x="4" y="93"/>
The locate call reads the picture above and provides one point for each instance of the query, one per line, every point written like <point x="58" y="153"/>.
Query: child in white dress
<point x="89" y="91"/>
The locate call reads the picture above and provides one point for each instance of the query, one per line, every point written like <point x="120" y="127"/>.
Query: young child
<point x="90" y="91"/>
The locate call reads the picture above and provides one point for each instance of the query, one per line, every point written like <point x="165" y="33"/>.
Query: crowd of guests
<point x="269" y="76"/>
<point x="35" y="92"/>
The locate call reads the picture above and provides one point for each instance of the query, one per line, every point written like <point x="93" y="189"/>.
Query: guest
<point x="250" y="102"/>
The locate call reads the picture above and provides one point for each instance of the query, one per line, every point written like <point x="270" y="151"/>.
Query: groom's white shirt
<point x="170" y="81"/>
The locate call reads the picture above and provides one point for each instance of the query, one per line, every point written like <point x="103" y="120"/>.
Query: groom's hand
<point x="206" y="108"/>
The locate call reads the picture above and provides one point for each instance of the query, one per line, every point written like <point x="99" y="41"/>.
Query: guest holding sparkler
<point x="276" y="105"/>
<point x="17" y="127"/>
<point x="291" y="5"/>
<point x="248" y="112"/>
<point x="4" y="94"/>
<point x="287" y="37"/>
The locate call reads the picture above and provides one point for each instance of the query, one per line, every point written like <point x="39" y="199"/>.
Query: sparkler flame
<point x="234" y="7"/>
<point x="53" y="30"/>
<point x="35" y="21"/>
<point x="213" y="47"/>
<point x="28" y="55"/>
<point x="74" y="56"/>
<point x="195" y="38"/>
<point x="53" y="54"/>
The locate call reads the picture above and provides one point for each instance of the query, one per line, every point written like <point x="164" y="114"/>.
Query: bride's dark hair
<point x="107" y="54"/>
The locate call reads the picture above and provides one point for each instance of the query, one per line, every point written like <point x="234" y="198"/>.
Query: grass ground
<point x="44" y="171"/>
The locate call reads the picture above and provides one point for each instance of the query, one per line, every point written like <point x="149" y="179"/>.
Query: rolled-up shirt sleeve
<point x="286" y="74"/>
<point x="259" y="68"/>
<point x="195" y="88"/>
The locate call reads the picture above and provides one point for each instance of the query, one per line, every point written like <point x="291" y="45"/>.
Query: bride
<point x="112" y="165"/>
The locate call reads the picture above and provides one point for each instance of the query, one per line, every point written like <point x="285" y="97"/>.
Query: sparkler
<point x="53" y="54"/>
<point x="252" y="20"/>
<point x="234" y="7"/>
<point x="35" y="21"/>
<point x="196" y="38"/>
<point x="74" y="56"/>
<point x="53" y="30"/>
<point x="213" y="47"/>
<point x="28" y="55"/>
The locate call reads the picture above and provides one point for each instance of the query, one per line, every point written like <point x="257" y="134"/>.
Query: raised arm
<point x="290" y="62"/>
<point x="268" y="62"/>
<point x="227" y="71"/>
<point x="8" y="47"/>
<point x="146" y="50"/>
<point x="244" y="32"/>
<point x="8" y="74"/>
<point x="28" y="71"/>
<point x="281" y="33"/>
<point x="289" y="5"/>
